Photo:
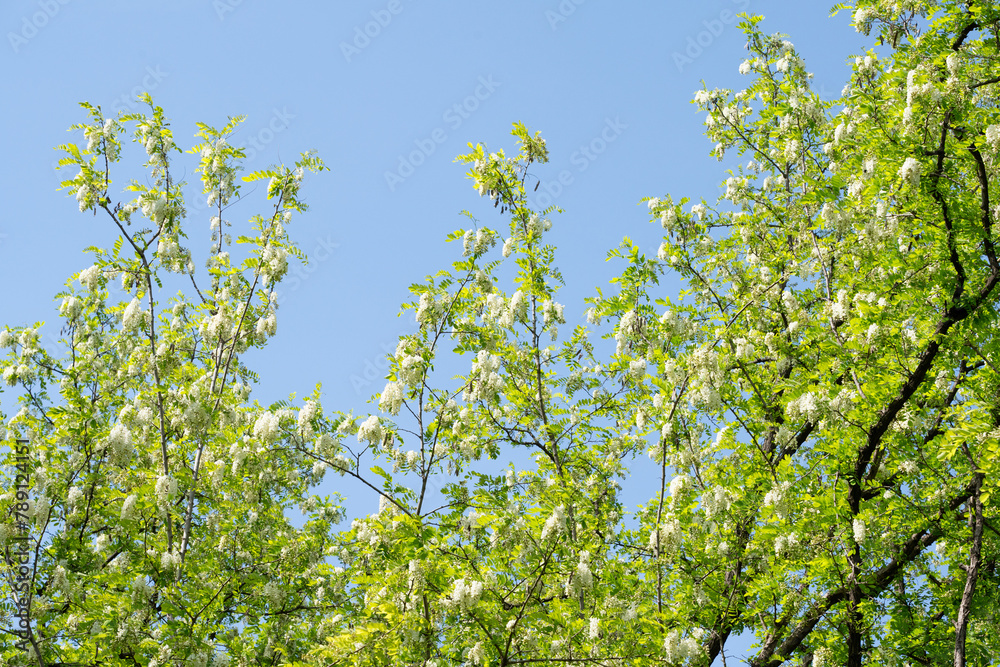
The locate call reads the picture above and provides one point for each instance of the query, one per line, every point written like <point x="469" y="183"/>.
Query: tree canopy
<point x="819" y="403"/>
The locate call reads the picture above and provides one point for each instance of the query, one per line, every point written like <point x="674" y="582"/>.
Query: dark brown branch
<point x="965" y="606"/>
<point x="874" y="586"/>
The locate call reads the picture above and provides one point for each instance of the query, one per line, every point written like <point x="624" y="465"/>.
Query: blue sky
<point x="608" y="85"/>
<point x="388" y="92"/>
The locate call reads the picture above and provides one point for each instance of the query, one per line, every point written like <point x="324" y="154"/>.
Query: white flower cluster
<point x="785" y="546"/>
<point x="667" y="211"/>
<point x="40" y="510"/>
<point x="165" y="489"/>
<point x="477" y="654"/>
<point x="508" y="246"/>
<point x="745" y="348"/>
<point x="584" y="579"/>
<point x="910" y="171"/>
<point x="704" y="97"/>
<point x="133" y="316"/>
<point x="155" y="140"/>
<point x="806" y="406"/>
<point x="267" y="325"/>
<point x="679" y="487"/>
<point x="484" y="381"/>
<point x="679" y="649"/>
<point x="219" y="179"/>
<point x="391" y="398"/>
<point x="170" y="253"/>
<point x="120" y="443"/>
<point x="631" y="329"/>
<point x="75" y="497"/>
<point x="840" y="308"/>
<point x="266" y="428"/>
<point x="272" y="591"/>
<point x="170" y="560"/>
<point x="716" y="501"/>
<point x="863" y="17"/>
<point x="536" y="225"/>
<point x="476" y="242"/>
<point x="371" y="431"/>
<point x="466" y="594"/>
<point x="97" y="134"/>
<point x="155" y="206"/>
<point x="416" y="575"/>
<point x="366" y="532"/>
<point x="128" y="508"/>
<point x="556" y="523"/>
<point x="90" y="277"/>
<point x="860" y="530"/>
<point x="85" y="195"/>
<point x="666" y="539"/>
<point x="102" y="543"/>
<point x="788" y="62"/>
<point x="552" y="312"/>
<point x="778" y="499"/>
<point x="822" y="657"/>
<point x="483" y="179"/>
<point x="517" y="309"/>
<point x="834" y="217"/>
<point x="274" y="263"/>
<point x="993" y="135"/>
<point x="430" y="309"/>
<point x="307" y="414"/>
<point x="411" y="366"/>
<point x="70" y="308"/>
<point x="706" y="376"/>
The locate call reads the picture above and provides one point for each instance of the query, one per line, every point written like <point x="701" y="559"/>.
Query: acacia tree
<point x="150" y="495"/>
<point x="820" y="403"/>
<point x="821" y="400"/>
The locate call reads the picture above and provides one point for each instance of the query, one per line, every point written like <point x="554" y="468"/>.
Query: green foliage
<point x="819" y="407"/>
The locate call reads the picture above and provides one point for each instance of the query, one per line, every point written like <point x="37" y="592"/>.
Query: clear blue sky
<point x="613" y="76"/>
